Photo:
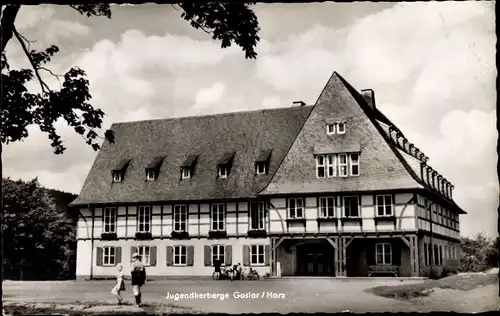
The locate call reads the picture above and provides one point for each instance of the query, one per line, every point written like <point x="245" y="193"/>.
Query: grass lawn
<point x="455" y="282"/>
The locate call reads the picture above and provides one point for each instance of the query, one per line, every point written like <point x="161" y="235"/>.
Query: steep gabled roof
<point x="385" y="164"/>
<point x="208" y="138"/>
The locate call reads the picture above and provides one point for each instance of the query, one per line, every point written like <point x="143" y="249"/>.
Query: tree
<point x="39" y="241"/>
<point x="478" y="253"/>
<point x="227" y="22"/>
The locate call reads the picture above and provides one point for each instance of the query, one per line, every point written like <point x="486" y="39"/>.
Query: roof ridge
<point x="302" y="127"/>
<point x="212" y="115"/>
<point x="369" y="113"/>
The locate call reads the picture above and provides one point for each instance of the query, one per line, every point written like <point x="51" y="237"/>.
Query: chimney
<point x="369" y="96"/>
<point x="301" y="103"/>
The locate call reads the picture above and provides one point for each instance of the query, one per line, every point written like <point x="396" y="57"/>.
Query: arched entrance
<point x="315" y="259"/>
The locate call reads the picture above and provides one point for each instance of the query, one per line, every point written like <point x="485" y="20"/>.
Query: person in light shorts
<point x="120" y="284"/>
<point x="138" y="278"/>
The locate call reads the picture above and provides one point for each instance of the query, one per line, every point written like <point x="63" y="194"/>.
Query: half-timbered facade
<point x="329" y="189"/>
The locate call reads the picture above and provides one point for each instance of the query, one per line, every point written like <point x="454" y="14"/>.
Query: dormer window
<point x="150" y="175"/>
<point x="153" y="168"/>
<point x="261" y="168"/>
<point x="188" y="166"/>
<point x="118" y="172"/>
<point x="223" y="172"/>
<point x="335" y="128"/>
<point x="341" y="128"/>
<point x="224" y="165"/>
<point x="330" y="129"/>
<point x="186" y="172"/>
<point x="262" y="161"/>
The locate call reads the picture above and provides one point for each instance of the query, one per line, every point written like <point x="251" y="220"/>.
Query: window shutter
<point x="246" y="255"/>
<point x="267" y="254"/>
<point x="228" y="255"/>
<point x="208" y="256"/>
<point x="118" y="255"/>
<point x="190" y="256"/>
<point x="152" y="256"/>
<point x="170" y="256"/>
<point x="99" y="257"/>
<point x="132" y="251"/>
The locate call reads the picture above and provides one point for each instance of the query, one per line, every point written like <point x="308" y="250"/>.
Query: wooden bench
<point x="383" y="269"/>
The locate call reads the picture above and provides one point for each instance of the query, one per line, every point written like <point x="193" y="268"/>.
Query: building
<point x="330" y="189"/>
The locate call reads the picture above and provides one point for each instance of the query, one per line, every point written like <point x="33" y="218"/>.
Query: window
<point x="180" y="218"/>
<point x="257" y="254"/>
<point x="150" y="175"/>
<point x="429" y="253"/>
<point x="144" y="219"/>
<point x="218" y="217"/>
<point x="330" y="129"/>
<point x="383" y="254"/>
<point x="327" y="207"/>
<point x="144" y="252"/>
<point x="108" y="256"/>
<point x="320" y="166"/>
<point x="351" y="206"/>
<point x="426" y="255"/>
<point x="343" y="165"/>
<point x="384" y="205"/>
<point x="341" y="128"/>
<point x="354" y="164"/>
<point x="223" y="172"/>
<point x="117" y="177"/>
<point x="180" y="255"/>
<point x="295" y="208"/>
<point x="186" y="172"/>
<point x="110" y="220"/>
<point x="325" y="165"/>
<point x="440" y="255"/>
<point x="261" y="168"/>
<point x="257" y="215"/>
<point x="218" y="252"/>
<point x="436" y="255"/>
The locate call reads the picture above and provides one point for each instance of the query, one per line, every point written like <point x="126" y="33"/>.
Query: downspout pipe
<point x="92" y="244"/>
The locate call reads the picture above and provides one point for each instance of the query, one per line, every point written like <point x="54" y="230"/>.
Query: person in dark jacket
<point x="217" y="271"/>
<point x="138" y="273"/>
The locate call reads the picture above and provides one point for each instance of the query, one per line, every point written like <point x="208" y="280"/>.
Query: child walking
<point x="120" y="284"/>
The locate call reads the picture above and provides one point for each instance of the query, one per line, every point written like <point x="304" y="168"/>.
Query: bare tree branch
<point x="43" y="85"/>
<point x="53" y="74"/>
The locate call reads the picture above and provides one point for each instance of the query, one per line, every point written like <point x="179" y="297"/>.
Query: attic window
<point x="260" y="168"/>
<point x="119" y="170"/>
<point x="341" y="128"/>
<point x="262" y="161"/>
<point x="186" y="172"/>
<point x="224" y="165"/>
<point x="117" y="177"/>
<point x="150" y="175"/>
<point x="153" y="168"/>
<point x="187" y="167"/>
<point x="330" y="129"/>
<point x="335" y="128"/>
<point x="223" y="172"/>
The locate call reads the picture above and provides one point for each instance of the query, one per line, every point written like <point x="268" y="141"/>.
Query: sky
<point x="431" y="65"/>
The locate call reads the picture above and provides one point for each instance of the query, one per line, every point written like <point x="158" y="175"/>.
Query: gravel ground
<point x="272" y="295"/>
